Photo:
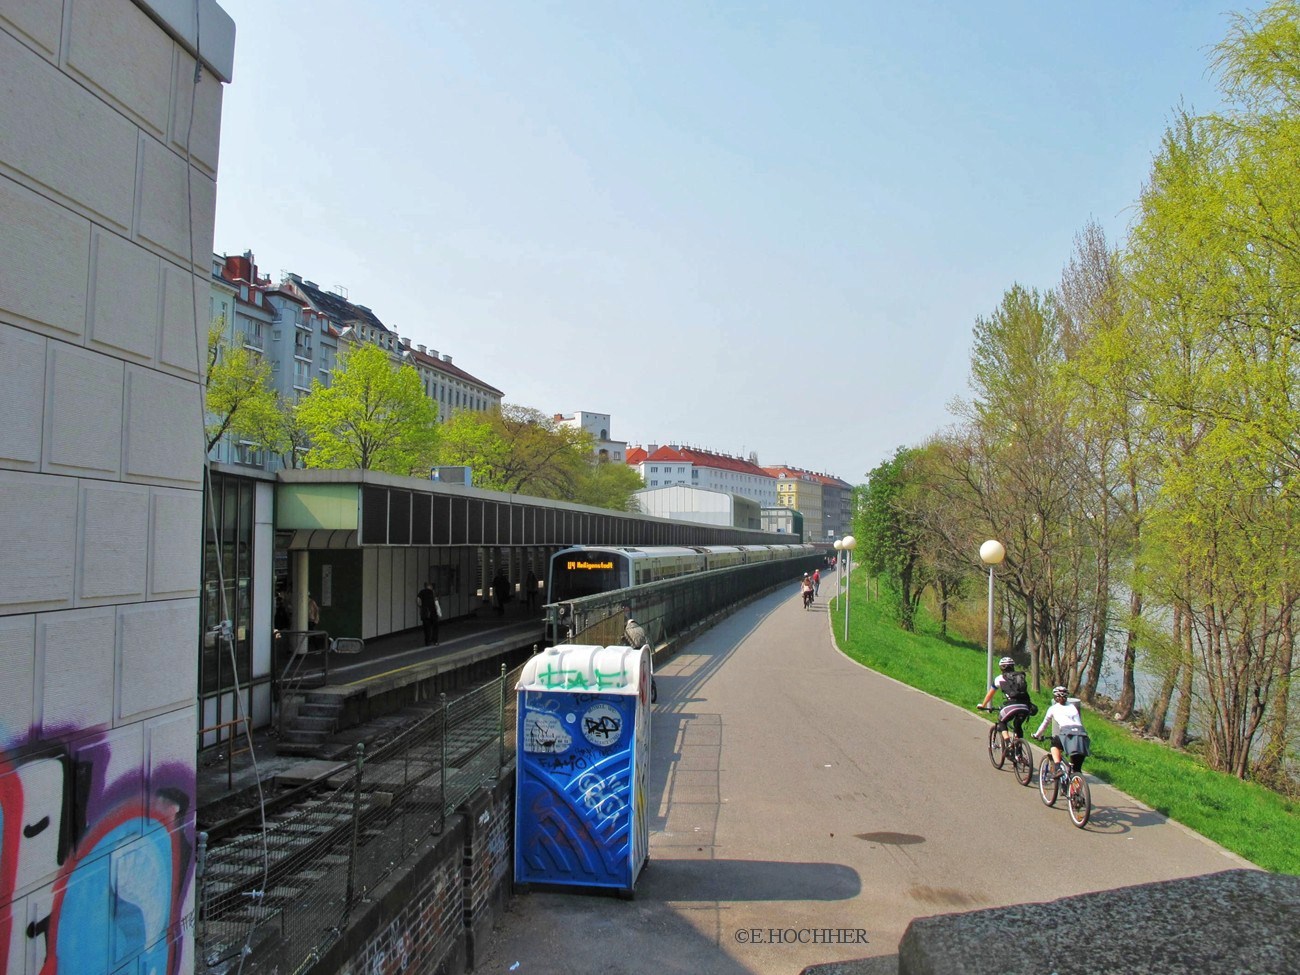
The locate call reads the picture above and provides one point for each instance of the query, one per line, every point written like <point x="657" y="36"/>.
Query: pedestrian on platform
<point x="430" y="613"/>
<point x="501" y="592"/>
<point x="530" y="590"/>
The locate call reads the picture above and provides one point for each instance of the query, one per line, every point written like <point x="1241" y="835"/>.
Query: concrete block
<point x="164" y="439"/>
<point x="17" y="672"/>
<point x="124" y="302"/>
<point x="169" y="755"/>
<point x="22" y="393"/>
<point x="124" y="56"/>
<point x="214" y="28"/>
<point x="39" y="23"/>
<point x="117" y="756"/>
<point x="38" y="534"/>
<point x="175" y="543"/>
<point x="74" y="667"/>
<point x="204" y="137"/>
<point x="159" y="668"/>
<point x="60" y="137"/>
<point x="184" y="343"/>
<point x="1239" y="922"/>
<point x="46" y="260"/>
<point x="83" y="412"/>
<point x="162" y="204"/>
<point x="114" y="532"/>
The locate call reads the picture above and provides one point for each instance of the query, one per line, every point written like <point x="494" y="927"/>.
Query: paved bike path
<point x="801" y="804"/>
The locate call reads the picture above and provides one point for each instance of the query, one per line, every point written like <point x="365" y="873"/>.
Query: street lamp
<point x="848" y="543"/>
<point x="992" y="553"/>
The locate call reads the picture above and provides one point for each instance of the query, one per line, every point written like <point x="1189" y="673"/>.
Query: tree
<point x="519" y="450"/>
<point x="609" y="484"/>
<point x="239" y="398"/>
<point x="374" y="415"/>
<point x="889" y="534"/>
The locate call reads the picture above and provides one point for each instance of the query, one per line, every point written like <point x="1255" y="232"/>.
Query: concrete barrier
<point x="1239" y="922"/>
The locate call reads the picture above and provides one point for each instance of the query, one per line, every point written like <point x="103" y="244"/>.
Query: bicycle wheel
<point x="997" y="754"/>
<point x="1048" y="786"/>
<point x="1080" y="800"/>
<point x="1022" y="761"/>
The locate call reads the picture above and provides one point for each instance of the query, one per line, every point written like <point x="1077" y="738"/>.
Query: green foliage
<point x="1251" y="821"/>
<point x="374" y="415"/>
<point x="609" y="484"/>
<point x="239" y="397"/>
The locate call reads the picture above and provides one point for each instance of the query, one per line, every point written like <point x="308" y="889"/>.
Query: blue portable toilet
<point x="583" y="743"/>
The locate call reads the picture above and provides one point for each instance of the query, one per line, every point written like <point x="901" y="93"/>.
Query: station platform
<point x="365" y="683"/>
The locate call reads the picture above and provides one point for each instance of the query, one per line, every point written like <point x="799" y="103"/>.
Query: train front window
<point x="586" y="574"/>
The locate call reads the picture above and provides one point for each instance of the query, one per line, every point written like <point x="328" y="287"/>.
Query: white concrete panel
<point x="175" y="543"/>
<point x="204" y="137"/>
<point x="59" y="136"/>
<point x="182" y="339"/>
<point x="214" y="29"/>
<point x="159" y="666"/>
<point x="42" y="782"/>
<point x="263" y="595"/>
<point x="38" y="536"/>
<point x="46" y="260"/>
<point x="169" y="741"/>
<point x="17" y="674"/>
<point x="83" y="412"/>
<point x="164" y="429"/>
<point x="22" y="396"/>
<point x="16" y="950"/>
<point x="74" y="664"/>
<point x="369" y="571"/>
<point x="38" y="22"/>
<point x="163" y="219"/>
<point x="122" y="55"/>
<point x="113" y="542"/>
<point x="117" y="756"/>
<point x="383" y="592"/>
<point x="124" y="297"/>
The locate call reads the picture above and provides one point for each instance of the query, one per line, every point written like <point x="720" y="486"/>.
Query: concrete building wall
<point x="106" y="211"/>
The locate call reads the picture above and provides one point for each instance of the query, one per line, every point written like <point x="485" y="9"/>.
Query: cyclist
<point x="1016" y="707"/>
<point x="806" y="587"/>
<point x="1068" y="734"/>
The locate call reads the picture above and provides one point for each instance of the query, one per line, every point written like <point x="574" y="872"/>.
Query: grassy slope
<point x="1253" y="822"/>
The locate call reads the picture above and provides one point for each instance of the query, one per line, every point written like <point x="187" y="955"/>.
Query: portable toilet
<point x="583" y="742"/>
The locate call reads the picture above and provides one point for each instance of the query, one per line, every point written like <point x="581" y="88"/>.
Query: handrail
<point x="230" y="751"/>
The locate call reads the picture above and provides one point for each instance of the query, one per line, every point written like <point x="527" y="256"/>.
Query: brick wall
<point x="428" y="919"/>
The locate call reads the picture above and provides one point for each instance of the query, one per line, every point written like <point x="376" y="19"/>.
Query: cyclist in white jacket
<point x="1068" y="734"/>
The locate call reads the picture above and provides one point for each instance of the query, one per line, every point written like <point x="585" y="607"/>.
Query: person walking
<point x="430" y="613"/>
<point x="530" y="590"/>
<point x="501" y="592"/>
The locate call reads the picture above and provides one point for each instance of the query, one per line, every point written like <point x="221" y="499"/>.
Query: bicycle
<point x="1052" y="780"/>
<point x="1017" y="749"/>
<point x="807" y="598"/>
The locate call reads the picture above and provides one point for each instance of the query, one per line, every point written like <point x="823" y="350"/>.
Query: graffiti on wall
<point x="95" y="872"/>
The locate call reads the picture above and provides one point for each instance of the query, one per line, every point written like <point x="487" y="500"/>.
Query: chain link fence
<point x="275" y="899"/>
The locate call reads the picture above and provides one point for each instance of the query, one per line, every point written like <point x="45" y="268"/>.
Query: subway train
<point x="588" y="570"/>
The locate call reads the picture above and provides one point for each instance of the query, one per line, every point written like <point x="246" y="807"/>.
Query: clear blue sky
<point x="743" y="226"/>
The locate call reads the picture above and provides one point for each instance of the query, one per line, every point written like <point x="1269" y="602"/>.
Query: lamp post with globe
<point x="992" y="553"/>
<point x="848" y="543"/>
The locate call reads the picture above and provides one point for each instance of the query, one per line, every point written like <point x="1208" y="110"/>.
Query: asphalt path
<point x="804" y="809"/>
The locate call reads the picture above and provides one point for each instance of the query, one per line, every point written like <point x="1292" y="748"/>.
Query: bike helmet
<point x="1059" y="694"/>
<point x="1006" y="663"/>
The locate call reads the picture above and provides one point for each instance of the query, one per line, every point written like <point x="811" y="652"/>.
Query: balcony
<point x="253" y="340"/>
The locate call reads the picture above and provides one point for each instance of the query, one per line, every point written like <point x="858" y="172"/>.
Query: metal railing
<point x="666" y="609"/>
<point x="282" y="895"/>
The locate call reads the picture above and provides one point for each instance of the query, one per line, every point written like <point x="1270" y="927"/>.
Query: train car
<point x="589" y="570"/>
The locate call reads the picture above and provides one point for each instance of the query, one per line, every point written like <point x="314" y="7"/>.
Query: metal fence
<point x="670" y="608"/>
<point x="275" y="899"/>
